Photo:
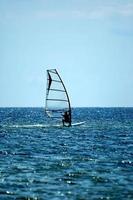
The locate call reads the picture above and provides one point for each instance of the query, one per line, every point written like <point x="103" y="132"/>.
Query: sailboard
<point x="78" y="123"/>
<point x="57" y="104"/>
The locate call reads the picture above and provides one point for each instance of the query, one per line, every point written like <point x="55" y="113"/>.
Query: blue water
<point x="41" y="161"/>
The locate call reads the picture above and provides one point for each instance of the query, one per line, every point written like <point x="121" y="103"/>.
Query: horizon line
<point x="71" y="107"/>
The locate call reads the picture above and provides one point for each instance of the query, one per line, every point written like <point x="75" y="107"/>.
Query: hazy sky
<point x="90" y="42"/>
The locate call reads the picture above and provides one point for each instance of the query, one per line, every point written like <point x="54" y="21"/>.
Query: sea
<point x="40" y="159"/>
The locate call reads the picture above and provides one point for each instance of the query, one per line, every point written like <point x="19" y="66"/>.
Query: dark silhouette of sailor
<point x="66" y="118"/>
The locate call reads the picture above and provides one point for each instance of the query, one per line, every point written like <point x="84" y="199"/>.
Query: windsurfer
<point x="66" y="118"/>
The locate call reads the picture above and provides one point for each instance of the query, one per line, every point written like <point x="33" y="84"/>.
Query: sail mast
<point x="67" y="97"/>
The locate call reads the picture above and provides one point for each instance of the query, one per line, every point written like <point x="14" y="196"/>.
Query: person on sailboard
<point x="66" y="118"/>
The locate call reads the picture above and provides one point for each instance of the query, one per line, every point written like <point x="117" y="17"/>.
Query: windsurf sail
<point x="57" y="103"/>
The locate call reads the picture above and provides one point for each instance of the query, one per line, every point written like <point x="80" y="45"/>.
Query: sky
<point x="90" y="43"/>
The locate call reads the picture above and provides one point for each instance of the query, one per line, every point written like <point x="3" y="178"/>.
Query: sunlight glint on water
<point x="92" y="161"/>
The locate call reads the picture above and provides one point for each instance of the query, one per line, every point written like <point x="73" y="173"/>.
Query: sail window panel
<point x="57" y="95"/>
<point x="57" y="105"/>
<point x="57" y="86"/>
<point x="55" y="114"/>
<point x="54" y="76"/>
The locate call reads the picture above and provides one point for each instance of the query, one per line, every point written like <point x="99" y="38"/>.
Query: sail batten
<point x="57" y="99"/>
<point x="56" y="81"/>
<point x="57" y="90"/>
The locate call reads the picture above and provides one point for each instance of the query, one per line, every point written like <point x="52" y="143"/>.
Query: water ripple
<point x="93" y="161"/>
